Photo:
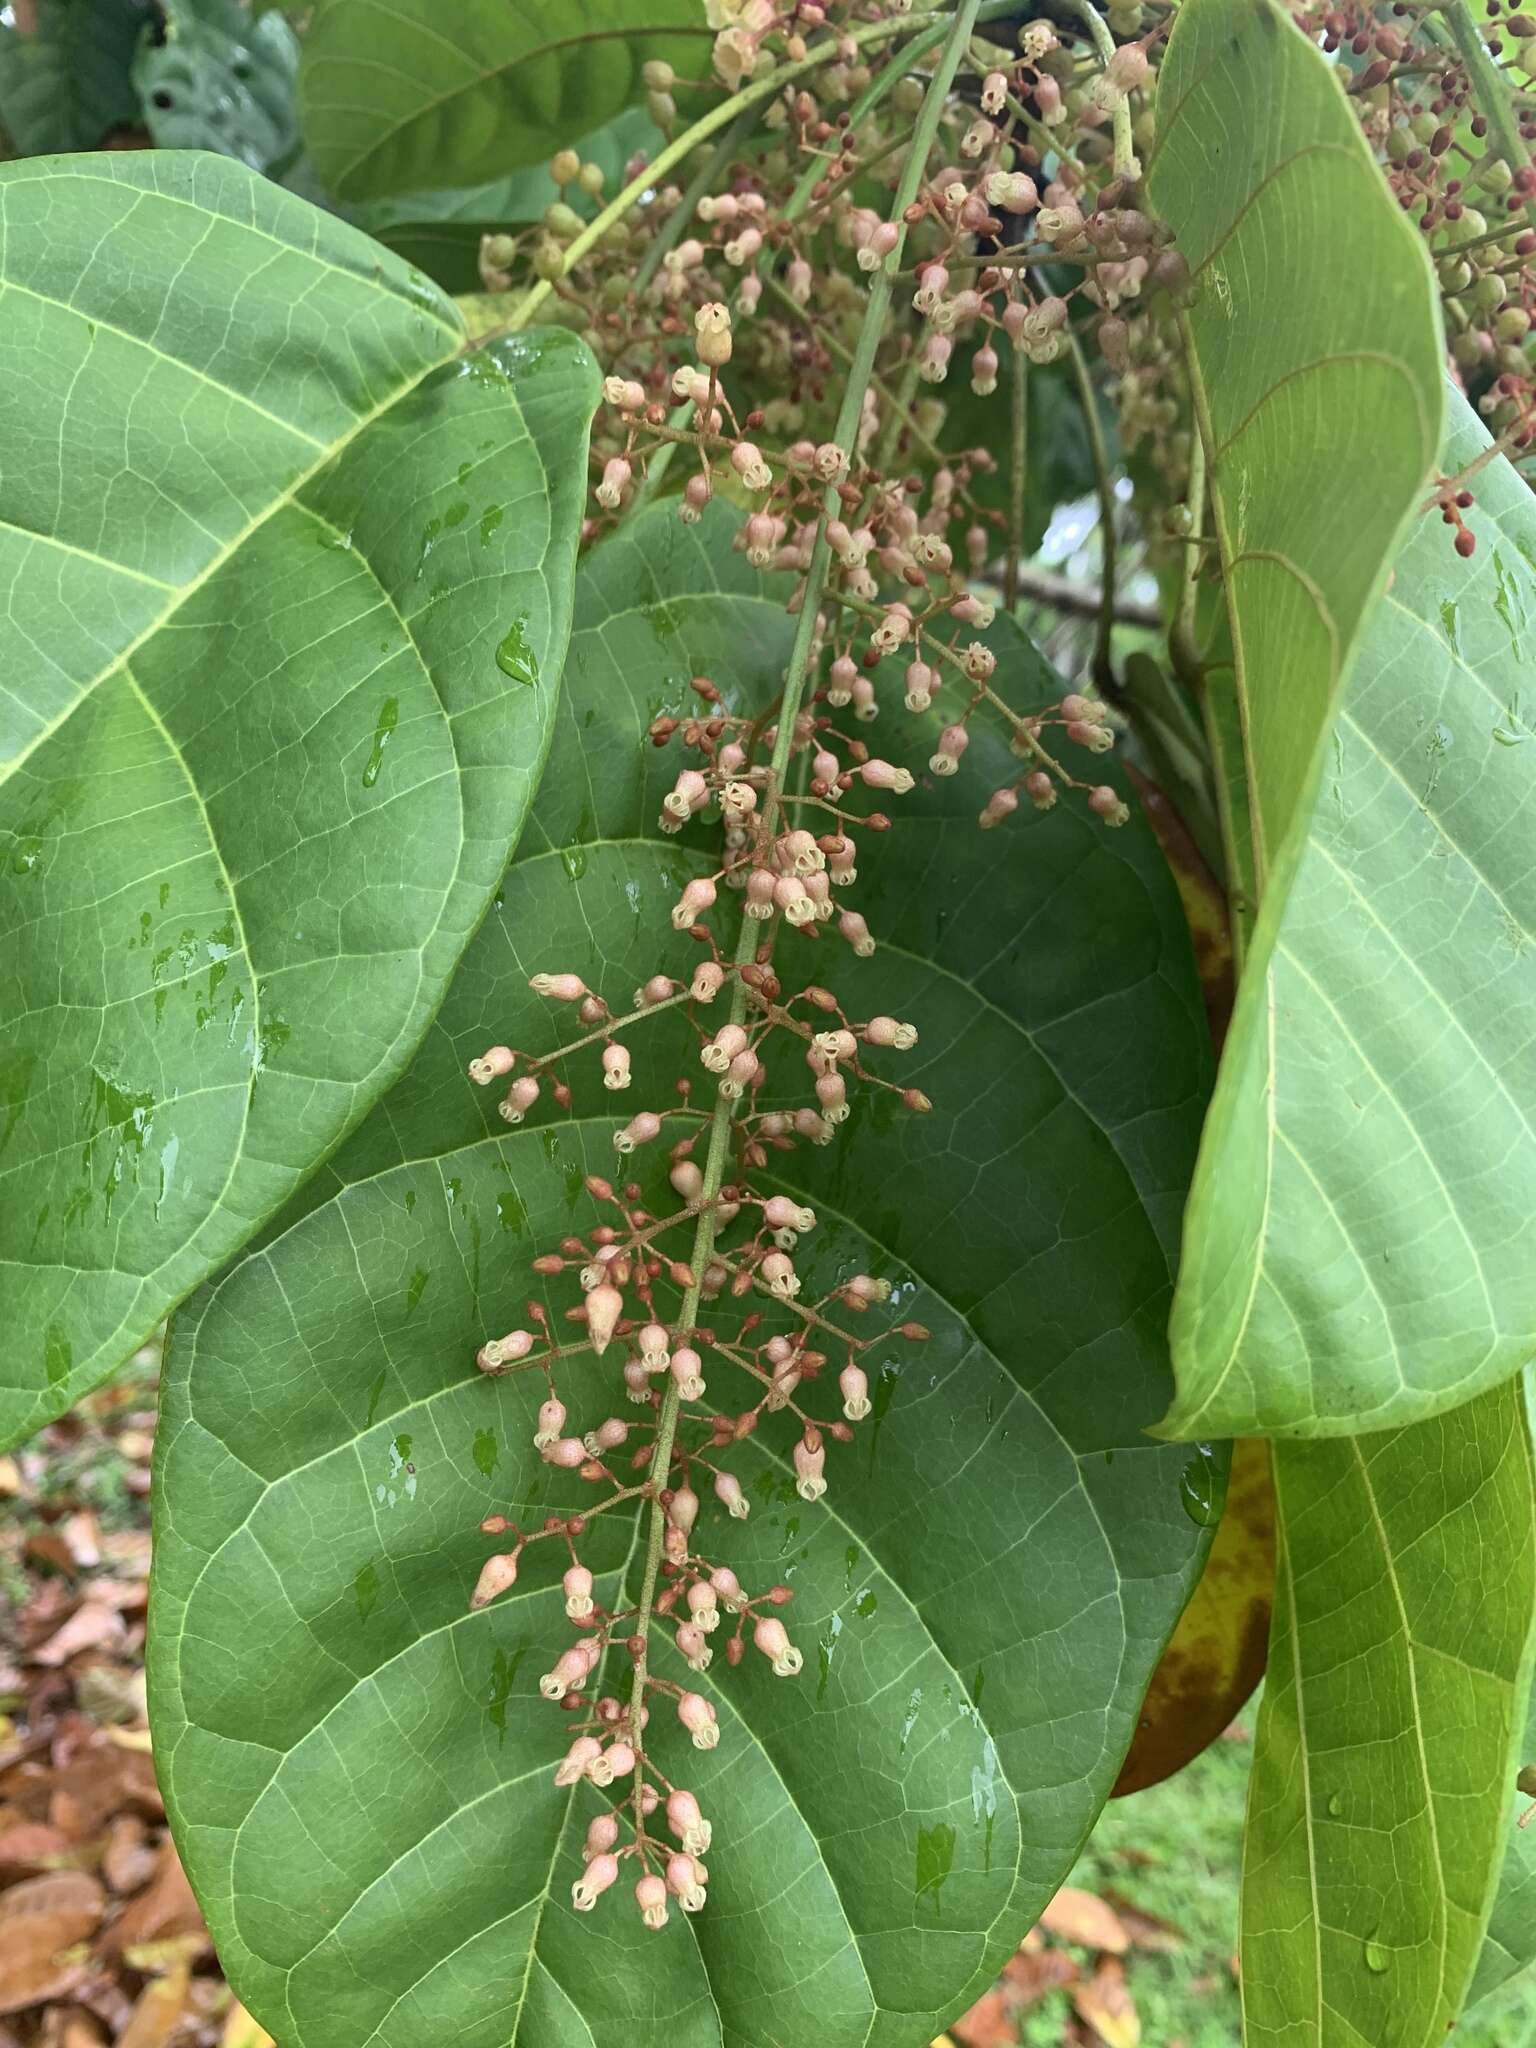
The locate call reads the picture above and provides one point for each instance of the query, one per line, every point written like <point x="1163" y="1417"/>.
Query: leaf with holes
<point x="403" y="95"/>
<point x="888" y="1826"/>
<point x="1389" y="1734"/>
<point x="66" y="81"/>
<point x="215" y="79"/>
<point x="262" y="535"/>
<point x="1357" y="1250"/>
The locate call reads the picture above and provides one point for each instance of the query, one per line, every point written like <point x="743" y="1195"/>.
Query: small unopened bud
<point x="492" y="1065"/>
<point x="496" y="1575"/>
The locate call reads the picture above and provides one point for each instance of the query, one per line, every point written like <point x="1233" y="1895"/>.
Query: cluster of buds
<point x="698" y="1291"/>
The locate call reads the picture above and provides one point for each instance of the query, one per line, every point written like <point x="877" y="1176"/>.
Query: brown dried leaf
<point x="1157" y="1937"/>
<point x="1104" y="2001"/>
<point x="136" y="1445"/>
<point x="988" y="2024"/>
<point x="128" y="1860"/>
<point x="1032" y="1974"/>
<point x="160" y="2011"/>
<point x="30" y="1846"/>
<point x="164" y="1910"/>
<point x="1216" y="1654"/>
<point x="83" y="1536"/>
<point x="1081" y="1918"/>
<point x="112" y="1694"/>
<point x="42" y="1921"/>
<point x="95" y="1625"/>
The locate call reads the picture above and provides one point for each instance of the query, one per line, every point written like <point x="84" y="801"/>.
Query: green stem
<point x="1183" y="646"/>
<point x="1018" y="450"/>
<point x="1491" y="90"/>
<point x="850" y="412"/>
<point x="1104" y="44"/>
<point x="683" y="212"/>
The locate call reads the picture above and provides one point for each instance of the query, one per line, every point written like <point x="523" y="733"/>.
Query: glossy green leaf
<point x="1315" y="362"/>
<point x="262" y="534"/>
<point x="360" y="1772"/>
<point x="66" y="83"/>
<point x="1392" y="1721"/>
<point x="402" y="95"/>
<point x="439" y="231"/>
<point x="216" y="79"/>
<point x="1357" y="1251"/>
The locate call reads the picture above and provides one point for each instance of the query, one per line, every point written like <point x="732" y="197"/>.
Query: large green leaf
<point x="401" y="95"/>
<point x="1391" y="1726"/>
<point x="65" y="83"/>
<point x="1315" y="361"/>
<point x="1357" y="1250"/>
<point x="261" y="536"/>
<point x="360" y="1771"/>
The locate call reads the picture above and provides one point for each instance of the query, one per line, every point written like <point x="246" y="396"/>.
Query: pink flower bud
<point x="685" y="1881"/>
<point x="702" y="1605"/>
<point x="578" y="1758"/>
<point x="694" y="901"/>
<point x="651" y="1898"/>
<point x="688" y="1823"/>
<point x="853" y="1383"/>
<point x="684" y="1509"/>
<point x="594" y="1881"/>
<point x="809" y="1460"/>
<point x="727" y="1586"/>
<point x="698" y="1717"/>
<point x="687" y="1370"/>
<point x="496" y="1575"/>
<point x="578" y="1592"/>
<point x="615" y="1066"/>
<point x="563" y="988"/>
<point x="605" y="1305"/>
<point x="728" y="1492"/>
<point x="551" y="1423"/>
<point x="566" y="1452"/>
<point x="520" y="1098"/>
<point x="1105" y="803"/>
<point x="882" y="775"/>
<point x="640" y="1130"/>
<point x="772" y="1638"/>
<point x="707" y="982"/>
<point x="854" y="929"/>
<point x="654" y="1352"/>
<point x="492" y="1064"/>
<point x="602" y="1833"/>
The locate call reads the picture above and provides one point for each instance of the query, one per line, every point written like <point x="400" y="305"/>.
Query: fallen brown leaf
<point x="28" y="1847"/>
<point x="1105" y="2002"/>
<point x="42" y="1922"/>
<point x="95" y="1625"/>
<point x="163" y="1911"/>
<point x="81" y="1533"/>
<point x="1082" y="1918"/>
<point x="1157" y="1937"/>
<point x="10" y="1479"/>
<point x="128" y="1861"/>
<point x="71" y="2026"/>
<point x="159" y="2012"/>
<point x="1034" y="1974"/>
<point x="988" y="2024"/>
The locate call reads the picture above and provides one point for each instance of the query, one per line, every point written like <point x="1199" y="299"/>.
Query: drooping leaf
<point x="215" y="79"/>
<point x="403" y="95"/>
<point x="1510" y="1944"/>
<point x="1294" y="365"/>
<point x="65" y="83"/>
<point x="261" y="536"/>
<point x="1391" y="1724"/>
<point x="1216" y="1656"/>
<point x="982" y="1596"/>
<point x="440" y="231"/>
<point x="1357" y="1250"/>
